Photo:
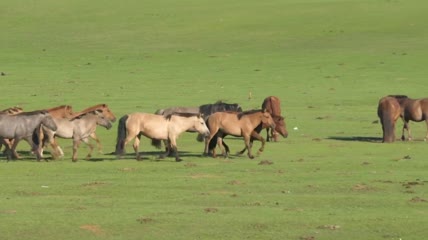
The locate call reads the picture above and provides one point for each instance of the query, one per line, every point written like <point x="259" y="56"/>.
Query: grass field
<point x="328" y="61"/>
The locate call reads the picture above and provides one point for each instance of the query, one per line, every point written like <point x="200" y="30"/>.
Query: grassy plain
<point x="328" y="61"/>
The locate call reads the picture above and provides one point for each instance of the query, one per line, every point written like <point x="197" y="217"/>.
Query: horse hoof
<point x="178" y="160"/>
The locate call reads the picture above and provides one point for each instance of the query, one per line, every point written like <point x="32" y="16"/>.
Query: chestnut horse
<point x="240" y="125"/>
<point x="388" y="111"/>
<point x="279" y="127"/>
<point x="273" y="106"/>
<point x="157" y="128"/>
<point x="412" y="110"/>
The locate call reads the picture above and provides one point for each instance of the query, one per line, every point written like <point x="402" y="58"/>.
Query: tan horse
<point x="79" y="129"/>
<point x="239" y="125"/>
<point x="412" y="110"/>
<point x="157" y="128"/>
<point x="280" y="128"/>
<point x="102" y="109"/>
<point x="106" y="112"/>
<point x="388" y="111"/>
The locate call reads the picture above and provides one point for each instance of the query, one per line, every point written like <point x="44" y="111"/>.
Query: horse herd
<point x="212" y="122"/>
<point x="392" y="107"/>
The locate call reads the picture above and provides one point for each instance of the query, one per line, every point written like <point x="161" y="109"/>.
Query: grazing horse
<point x="388" y="111"/>
<point x="79" y="129"/>
<point x="279" y="127"/>
<point x="157" y="127"/>
<point x="22" y="126"/>
<point x="241" y="124"/>
<point x="412" y="110"/>
<point x="273" y="106"/>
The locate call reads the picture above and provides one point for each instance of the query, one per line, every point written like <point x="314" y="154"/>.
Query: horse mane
<point x="398" y="96"/>
<point x="168" y="117"/>
<point x="87" y="110"/>
<point x="58" y="107"/>
<point x="241" y="114"/>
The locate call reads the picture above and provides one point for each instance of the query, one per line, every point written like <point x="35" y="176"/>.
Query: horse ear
<point x="201" y="115"/>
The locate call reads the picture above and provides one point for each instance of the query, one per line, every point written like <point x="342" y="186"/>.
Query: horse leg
<point x="267" y="135"/>
<point x="91" y="148"/>
<point x="247" y="142"/>
<point x="208" y="139"/>
<point x="136" y="146"/>
<point x="76" y="143"/>
<point x="173" y="146"/>
<point x="97" y="140"/>
<point x="426" y="136"/>
<point x="168" y="151"/>
<point x="255" y="135"/>
<point x="220" y="145"/>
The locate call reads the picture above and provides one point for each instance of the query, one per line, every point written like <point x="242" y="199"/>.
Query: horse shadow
<point x="356" y="139"/>
<point x="153" y="156"/>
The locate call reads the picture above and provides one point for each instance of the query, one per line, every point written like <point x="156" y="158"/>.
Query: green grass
<point x="328" y="61"/>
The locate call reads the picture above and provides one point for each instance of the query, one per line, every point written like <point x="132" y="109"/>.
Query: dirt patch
<point x="235" y="182"/>
<point x="211" y="210"/>
<point x="95" y="229"/>
<point x="362" y="187"/>
<point x="9" y="212"/>
<point x="94" y="184"/>
<point x="25" y="193"/>
<point x="144" y="220"/>
<point x="417" y="200"/>
<point x="127" y="169"/>
<point x="190" y="165"/>
<point x="265" y="162"/>
<point x="329" y="227"/>
<point x="307" y="238"/>
<point x="412" y="183"/>
<point x="202" y="175"/>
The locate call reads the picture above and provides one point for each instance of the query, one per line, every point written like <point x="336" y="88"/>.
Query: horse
<point x="106" y="112"/>
<point x="79" y="129"/>
<point x="388" y="111"/>
<point x="273" y="106"/>
<point x="22" y="126"/>
<point x="239" y="125"/>
<point x="412" y="110"/>
<point x="280" y="127"/>
<point x="10" y="111"/>
<point x="206" y="109"/>
<point x="102" y="109"/>
<point x="157" y="128"/>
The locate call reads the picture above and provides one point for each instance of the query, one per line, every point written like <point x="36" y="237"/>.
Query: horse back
<point x="272" y="105"/>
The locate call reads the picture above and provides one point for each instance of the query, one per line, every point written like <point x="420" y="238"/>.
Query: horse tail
<point x="385" y="113"/>
<point x="121" y="135"/>
<point x="157" y="143"/>
<point x="36" y="134"/>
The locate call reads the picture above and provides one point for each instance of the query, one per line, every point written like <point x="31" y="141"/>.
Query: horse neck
<point x="182" y="124"/>
<point x="255" y="121"/>
<point x="59" y="113"/>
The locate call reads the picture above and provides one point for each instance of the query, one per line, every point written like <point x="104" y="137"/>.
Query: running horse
<point x="157" y="128"/>
<point x="273" y="106"/>
<point x="412" y="110"/>
<point x="22" y="126"/>
<point x="238" y="125"/>
<point x="280" y="127"/>
<point x="388" y="111"/>
<point x="78" y="129"/>
<point x="102" y="109"/>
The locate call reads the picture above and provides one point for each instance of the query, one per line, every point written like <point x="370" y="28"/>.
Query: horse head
<point x="201" y="126"/>
<point x="107" y="112"/>
<point x="267" y="119"/>
<point x="280" y="126"/>
<point x="102" y="120"/>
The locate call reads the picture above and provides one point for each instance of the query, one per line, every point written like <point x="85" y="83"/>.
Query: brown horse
<point x="239" y="125"/>
<point x="412" y="110"/>
<point x="279" y="127"/>
<point x="157" y="128"/>
<point x="273" y="106"/>
<point x="388" y="111"/>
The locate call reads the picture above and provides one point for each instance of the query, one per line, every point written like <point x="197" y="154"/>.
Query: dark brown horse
<point x="412" y="110"/>
<point x="238" y="125"/>
<point x="273" y="106"/>
<point x="388" y="111"/>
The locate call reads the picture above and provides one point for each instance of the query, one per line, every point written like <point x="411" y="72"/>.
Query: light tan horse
<point x="388" y="111"/>
<point x="157" y="128"/>
<point x="238" y="125"/>
<point x="106" y="112"/>
<point x="102" y="109"/>
<point x="412" y="110"/>
<point x="79" y="129"/>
